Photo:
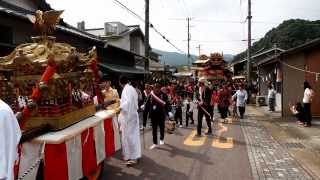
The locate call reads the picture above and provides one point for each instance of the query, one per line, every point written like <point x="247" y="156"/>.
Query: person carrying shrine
<point x="110" y="96"/>
<point x="129" y="123"/>
<point x="10" y="135"/>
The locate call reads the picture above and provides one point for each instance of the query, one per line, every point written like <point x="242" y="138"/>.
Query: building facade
<point x="294" y="67"/>
<point x="117" y="34"/>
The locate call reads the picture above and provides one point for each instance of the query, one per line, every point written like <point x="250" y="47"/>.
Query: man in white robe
<point x="129" y="123"/>
<point x="10" y="135"/>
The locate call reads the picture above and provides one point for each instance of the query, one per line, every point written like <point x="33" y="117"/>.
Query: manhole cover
<point x="293" y="145"/>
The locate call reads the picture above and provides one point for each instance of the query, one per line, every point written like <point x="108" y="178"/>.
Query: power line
<point x="222" y="41"/>
<point x="151" y="25"/>
<point x="129" y="10"/>
<point x="225" y="21"/>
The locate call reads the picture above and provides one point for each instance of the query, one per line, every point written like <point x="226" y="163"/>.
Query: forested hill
<point x="178" y="59"/>
<point x="288" y="34"/>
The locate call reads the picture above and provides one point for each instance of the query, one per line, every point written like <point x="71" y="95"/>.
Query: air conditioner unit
<point x="261" y="100"/>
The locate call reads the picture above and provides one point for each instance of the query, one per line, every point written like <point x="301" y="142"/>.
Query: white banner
<point x="99" y="141"/>
<point x="30" y="160"/>
<point x="74" y="157"/>
<point x="117" y="142"/>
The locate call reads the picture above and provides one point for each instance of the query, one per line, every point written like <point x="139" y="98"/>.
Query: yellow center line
<point x="229" y="120"/>
<point x="222" y="145"/>
<point x="194" y="141"/>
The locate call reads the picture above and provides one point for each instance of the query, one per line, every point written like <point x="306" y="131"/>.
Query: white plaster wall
<point x="123" y="43"/>
<point x="141" y="47"/>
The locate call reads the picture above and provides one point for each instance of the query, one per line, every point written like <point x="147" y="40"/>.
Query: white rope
<point x="87" y="137"/>
<point x="293" y="67"/>
<point x="35" y="164"/>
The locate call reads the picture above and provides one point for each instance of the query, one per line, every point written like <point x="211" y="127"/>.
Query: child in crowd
<point x="297" y="111"/>
<point x="189" y="111"/>
<point x="178" y="113"/>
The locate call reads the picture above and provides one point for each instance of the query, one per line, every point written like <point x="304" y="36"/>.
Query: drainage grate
<point x="292" y="145"/>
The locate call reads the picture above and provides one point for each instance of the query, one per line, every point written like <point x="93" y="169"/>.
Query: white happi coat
<point x="129" y="123"/>
<point x="10" y="135"/>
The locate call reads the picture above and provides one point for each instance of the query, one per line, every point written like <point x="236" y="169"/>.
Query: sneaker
<point x="142" y="128"/>
<point x="131" y="162"/>
<point x="180" y="126"/>
<point x="153" y="146"/>
<point x="307" y="125"/>
<point x="161" y="142"/>
<point x="208" y="133"/>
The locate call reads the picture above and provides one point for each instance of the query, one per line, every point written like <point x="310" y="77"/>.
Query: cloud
<point x="215" y="24"/>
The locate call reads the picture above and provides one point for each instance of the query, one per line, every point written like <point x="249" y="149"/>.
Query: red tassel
<point x="35" y="94"/>
<point x="94" y="68"/>
<point x="48" y="73"/>
<point x="25" y="117"/>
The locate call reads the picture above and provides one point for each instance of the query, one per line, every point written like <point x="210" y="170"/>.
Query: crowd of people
<point x="159" y="104"/>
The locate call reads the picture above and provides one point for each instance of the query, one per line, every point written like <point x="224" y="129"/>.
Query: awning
<point x="201" y="61"/>
<point x="155" y="66"/>
<point x="183" y="74"/>
<point x="198" y="68"/>
<point x="238" y="77"/>
<point x="122" y="69"/>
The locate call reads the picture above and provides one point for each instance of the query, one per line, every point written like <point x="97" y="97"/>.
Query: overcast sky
<point x="215" y="23"/>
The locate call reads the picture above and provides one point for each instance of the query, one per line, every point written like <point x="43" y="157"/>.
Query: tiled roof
<point x="64" y="27"/>
<point x="257" y="55"/>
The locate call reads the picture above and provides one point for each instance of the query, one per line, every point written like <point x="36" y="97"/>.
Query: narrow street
<point x="238" y="150"/>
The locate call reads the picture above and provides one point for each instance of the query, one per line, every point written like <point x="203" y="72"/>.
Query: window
<point x="135" y="45"/>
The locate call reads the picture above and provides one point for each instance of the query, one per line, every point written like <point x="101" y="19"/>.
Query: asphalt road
<point x="222" y="156"/>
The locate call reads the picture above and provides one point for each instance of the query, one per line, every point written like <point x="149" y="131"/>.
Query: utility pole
<point x="249" y="43"/>
<point x="199" y="48"/>
<point x="146" y="41"/>
<point x="188" y="21"/>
